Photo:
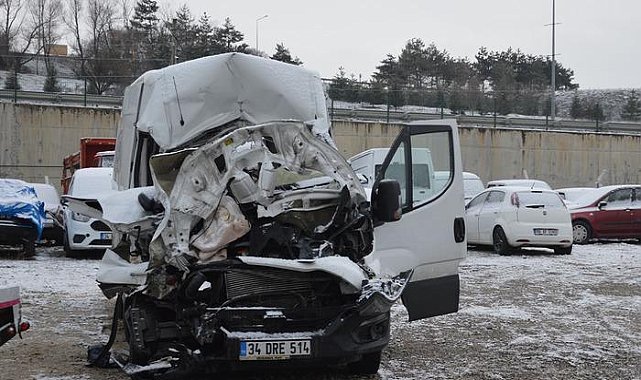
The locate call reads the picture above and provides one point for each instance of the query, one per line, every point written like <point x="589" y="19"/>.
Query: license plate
<point x="546" y="231"/>
<point x="105" y="236"/>
<point x="274" y="349"/>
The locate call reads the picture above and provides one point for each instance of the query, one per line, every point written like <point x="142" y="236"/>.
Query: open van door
<point x="430" y="237"/>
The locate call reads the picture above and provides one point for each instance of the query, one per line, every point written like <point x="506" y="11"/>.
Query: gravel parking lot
<point x="529" y="316"/>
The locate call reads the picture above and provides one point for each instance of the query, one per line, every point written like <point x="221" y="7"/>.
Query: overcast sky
<point x="599" y="40"/>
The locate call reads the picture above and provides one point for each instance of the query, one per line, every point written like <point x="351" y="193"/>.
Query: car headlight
<point x="79" y="217"/>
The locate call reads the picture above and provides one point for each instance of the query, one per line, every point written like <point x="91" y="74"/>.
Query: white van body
<point x="238" y="202"/>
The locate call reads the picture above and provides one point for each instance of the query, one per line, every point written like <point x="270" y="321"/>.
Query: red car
<point x="609" y="212"/>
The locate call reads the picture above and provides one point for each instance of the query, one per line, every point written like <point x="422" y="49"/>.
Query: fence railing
<point x="337" y="112"/>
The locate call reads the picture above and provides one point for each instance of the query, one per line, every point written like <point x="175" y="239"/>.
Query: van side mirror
<point x="386" y="201"/>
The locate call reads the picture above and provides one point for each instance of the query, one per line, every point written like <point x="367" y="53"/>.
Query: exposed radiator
<point x="242" y="282"/>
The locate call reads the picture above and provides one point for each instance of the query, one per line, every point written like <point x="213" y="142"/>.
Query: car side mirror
<point x="386" y="201"/>
<point x="602" y="204"/>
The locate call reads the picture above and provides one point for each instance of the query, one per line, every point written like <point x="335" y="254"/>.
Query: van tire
<point x="367" y="365"/>
<point x="499" y="242"/>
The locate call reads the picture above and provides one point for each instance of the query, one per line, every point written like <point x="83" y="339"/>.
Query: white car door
<point x="489" y="214"/>
<point x="472" y="212"/>
<point x="430" y="237"/>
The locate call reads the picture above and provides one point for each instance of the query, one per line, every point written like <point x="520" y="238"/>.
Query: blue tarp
<point x="19" y="200"/>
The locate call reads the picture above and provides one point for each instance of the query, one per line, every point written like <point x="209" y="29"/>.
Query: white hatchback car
<point x="81" y="232"/>
<point x="509" y="217"/>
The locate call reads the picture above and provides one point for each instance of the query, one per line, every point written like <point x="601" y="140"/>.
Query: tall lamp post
<point x="258" y="19"/>
<point x="553" y="74"/>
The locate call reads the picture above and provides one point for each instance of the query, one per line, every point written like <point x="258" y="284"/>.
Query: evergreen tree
<point x="145" y="18"/>
<point x="11" y="81"/>
<point x="339" y="86"/>
<point x="183" y="31"/>
<point x="146" y="43"/>
<point x="51" y="83"/>
<point x="389" y="77"/>
<point x="576" y="109"/>
<point x="455" y="103"/>
<point x="595" y="112"/>
<point x="282" y="54"/>
<point x="228" y="38"/>
<point x="632" y="108"/>
<point x="204" y="34"/>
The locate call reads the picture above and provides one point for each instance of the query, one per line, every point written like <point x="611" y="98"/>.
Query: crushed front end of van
<point x="240" y="231"/>
<point x="256" y="255"/>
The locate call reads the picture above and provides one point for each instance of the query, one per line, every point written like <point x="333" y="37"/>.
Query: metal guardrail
<point x="365" y="114"/>
<point x="487" y="120"/>
<point x="61" y="98"/>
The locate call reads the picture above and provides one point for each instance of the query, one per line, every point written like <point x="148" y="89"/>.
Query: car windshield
<point x="91" y="185"/>
<point x="548" y="200"/>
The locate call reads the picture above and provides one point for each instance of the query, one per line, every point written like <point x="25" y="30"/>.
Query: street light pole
<point x="258" y="19"/>
<point x="553" y="79"/>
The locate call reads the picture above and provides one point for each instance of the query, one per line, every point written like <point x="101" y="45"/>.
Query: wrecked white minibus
<point x="242" y="238"/>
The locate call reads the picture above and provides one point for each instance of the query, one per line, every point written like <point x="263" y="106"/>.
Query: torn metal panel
<point x="257" y="165"/>
<point x="227" y="225"/>
<point x="115" y="270"/>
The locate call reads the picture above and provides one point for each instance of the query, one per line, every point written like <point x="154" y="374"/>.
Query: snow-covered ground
<point x="529" y="316"/>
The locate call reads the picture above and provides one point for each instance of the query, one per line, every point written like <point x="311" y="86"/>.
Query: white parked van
<point x="426" y="180"/>
<point x="472" y="185"/>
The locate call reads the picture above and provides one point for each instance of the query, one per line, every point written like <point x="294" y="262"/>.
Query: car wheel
<point x="563" y="250"/>
<point x="367" y="365"/>
<point x="581" y="232"/>
<point x="29" y="248"/>
<point x="499" y="241"/>
<point x="65" y="246"/>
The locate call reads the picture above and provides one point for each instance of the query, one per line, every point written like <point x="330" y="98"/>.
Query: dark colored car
<point x="609" y="212"/>
<point x="22" y="215"/>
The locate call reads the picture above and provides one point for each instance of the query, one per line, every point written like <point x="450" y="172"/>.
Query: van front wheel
<point x="367" y="365"/>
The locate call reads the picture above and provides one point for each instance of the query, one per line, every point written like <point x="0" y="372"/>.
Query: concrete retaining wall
<point x="563" y="159"/>
<point x="34" y="139"/>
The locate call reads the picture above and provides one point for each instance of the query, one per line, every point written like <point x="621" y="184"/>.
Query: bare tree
<point x="16" y="39"/>
<point x="46" y="18"/>
<point x="73" y="16"/>
<point x="126" y="10"/>
<point x="102" y="69"/>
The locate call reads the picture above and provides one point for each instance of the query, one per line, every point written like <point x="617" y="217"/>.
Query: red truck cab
<point x="88" y="156"/>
